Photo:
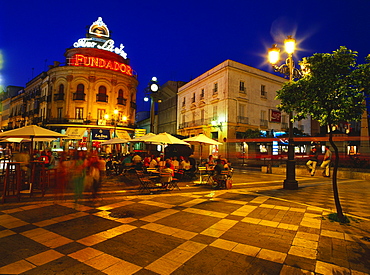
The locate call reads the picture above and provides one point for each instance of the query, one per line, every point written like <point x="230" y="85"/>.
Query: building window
<point x="183" y="102"/>
<point x="102" y="94"/>
<point x="202" y="116"/>
<point x="121" y="100"/>
<point x="214" y="114"/>
<point x="80" y="92"/>
<point x="242" y="87"/>
<point x="193" y="98"/>
<point x="214" y="135"/>
<point x="59" y="112"/>
<point x="60" y="94"/>
<point x="263" y="122"/>
<point x="241" y="117"/>
<point x="101" y="113"/>
<point x="215" y="88"/>
<point x="202" y="94"/>
<point x="61" y="89"/>
<point x="263" y="91"/>
<point x="79" y="113"/>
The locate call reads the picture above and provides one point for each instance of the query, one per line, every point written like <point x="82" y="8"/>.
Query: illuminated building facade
<point x="91" y="97"/>
<point x="229" y="99"/>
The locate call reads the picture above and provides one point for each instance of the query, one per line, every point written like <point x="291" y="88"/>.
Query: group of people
<point x="314" y="158"/>
<point x="81" y="171"/>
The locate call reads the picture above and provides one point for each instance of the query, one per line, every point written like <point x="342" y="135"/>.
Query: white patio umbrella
<point x="202" y="139"/>
<point x="164" y="138"/>
<point x="142" y="138"/>
<point x="32" y="132"/>
<point x="115" y="141"/>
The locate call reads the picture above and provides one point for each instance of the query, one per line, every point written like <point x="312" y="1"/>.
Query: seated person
<point x="218" y="177"/>
<point x="153" y="163"/>
<point x="210" y="162"/>
<point x="44" y="158"/>
<point x="166" y="179"/>
<point x="175" y="163"/>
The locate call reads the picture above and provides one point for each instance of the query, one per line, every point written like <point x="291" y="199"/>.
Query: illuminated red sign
<point x="98" y="62"/>
<point x="275" y="116"/>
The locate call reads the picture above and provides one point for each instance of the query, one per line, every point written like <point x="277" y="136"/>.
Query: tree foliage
<point x="332" y="90"/>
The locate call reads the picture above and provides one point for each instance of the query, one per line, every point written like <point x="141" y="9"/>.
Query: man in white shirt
<point x="326" y="162"/>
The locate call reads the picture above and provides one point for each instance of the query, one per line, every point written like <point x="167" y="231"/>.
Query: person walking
<point x="326" y="162"/>
<point x="312" y="162"/>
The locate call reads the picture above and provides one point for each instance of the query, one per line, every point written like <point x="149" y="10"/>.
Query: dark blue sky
<point x="176" y="39"/>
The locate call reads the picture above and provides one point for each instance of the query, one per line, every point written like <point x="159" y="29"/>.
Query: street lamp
<point x="287" y="69"/>
<point x="153" y="88"/>
<point x="115" y="112"/>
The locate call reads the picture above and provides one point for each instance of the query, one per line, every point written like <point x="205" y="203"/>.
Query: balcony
<point x="242" y="119"/>
<point x="263" y="123"/>
<point x="284" y="126"/>
<point x="42" y="99"/>
<point x="101" y="98"/>
<point x="79" y="96"/>
<point x="121" y="101"/>
<point x="58" y="97"/>
<point x="133" y="105"/>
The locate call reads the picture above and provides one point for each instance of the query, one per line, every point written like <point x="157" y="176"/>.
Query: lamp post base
<point x="290" y="184"/>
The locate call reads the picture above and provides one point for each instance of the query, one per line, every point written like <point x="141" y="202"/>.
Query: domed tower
<point x="94" y="93"/>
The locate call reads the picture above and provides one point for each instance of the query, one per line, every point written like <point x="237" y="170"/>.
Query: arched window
<point x="102" y="94"/>
<point x="102" y="90"/>
<point x="80" y="92"/>
<point x="80" y="89"/>
<point x="61" y="89"/>
<point x="120" y="99"/>
<point x="60" y="94"/>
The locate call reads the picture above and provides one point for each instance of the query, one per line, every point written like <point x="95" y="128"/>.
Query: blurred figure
<point x="44" y="158"/>
<point x="326" y="162"/>
<point x="62" y="172"/>
<point x="94" y="173"/>
<point x="166" y="175"/>
<point x="137" y="161"/>
<point x="210" y="162"/>
<point x="147" y="161"/>
<point x="312" y="162"/>
<point x="153" y="163"/>
<point x="51" y="160"/>
<point x="79" y="173"/>
<point x="175" y="163"/>
<point x="24" y="158"/>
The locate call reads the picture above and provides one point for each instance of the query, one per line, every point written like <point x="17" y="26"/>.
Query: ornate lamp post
<point x="288" y="69"/>
<point x="153" y="88"/>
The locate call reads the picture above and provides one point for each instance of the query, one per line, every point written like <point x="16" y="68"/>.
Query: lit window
<point x="79" y="114"/>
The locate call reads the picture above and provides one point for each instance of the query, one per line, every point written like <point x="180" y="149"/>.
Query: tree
<point x="331" y="91"/>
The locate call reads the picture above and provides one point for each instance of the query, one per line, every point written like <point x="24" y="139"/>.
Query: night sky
<point x="176" y="40"/>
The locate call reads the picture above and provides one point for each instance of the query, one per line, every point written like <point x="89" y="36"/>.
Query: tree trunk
<point x="334" y="178"/>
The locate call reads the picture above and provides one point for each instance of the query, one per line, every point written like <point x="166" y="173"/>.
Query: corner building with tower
<point x="91" y="97"/>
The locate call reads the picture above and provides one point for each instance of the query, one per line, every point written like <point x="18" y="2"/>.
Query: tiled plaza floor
<point x="254" y="228"/>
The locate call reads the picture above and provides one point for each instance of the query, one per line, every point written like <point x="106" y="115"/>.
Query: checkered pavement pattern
<point x="210" y="232"/>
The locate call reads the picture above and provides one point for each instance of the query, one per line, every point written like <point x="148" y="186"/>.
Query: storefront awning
<point x="75" y="133"/>
<point x="123" y="134"/>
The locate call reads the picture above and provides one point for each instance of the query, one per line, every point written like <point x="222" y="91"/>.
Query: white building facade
<point x="226" y="101"/>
